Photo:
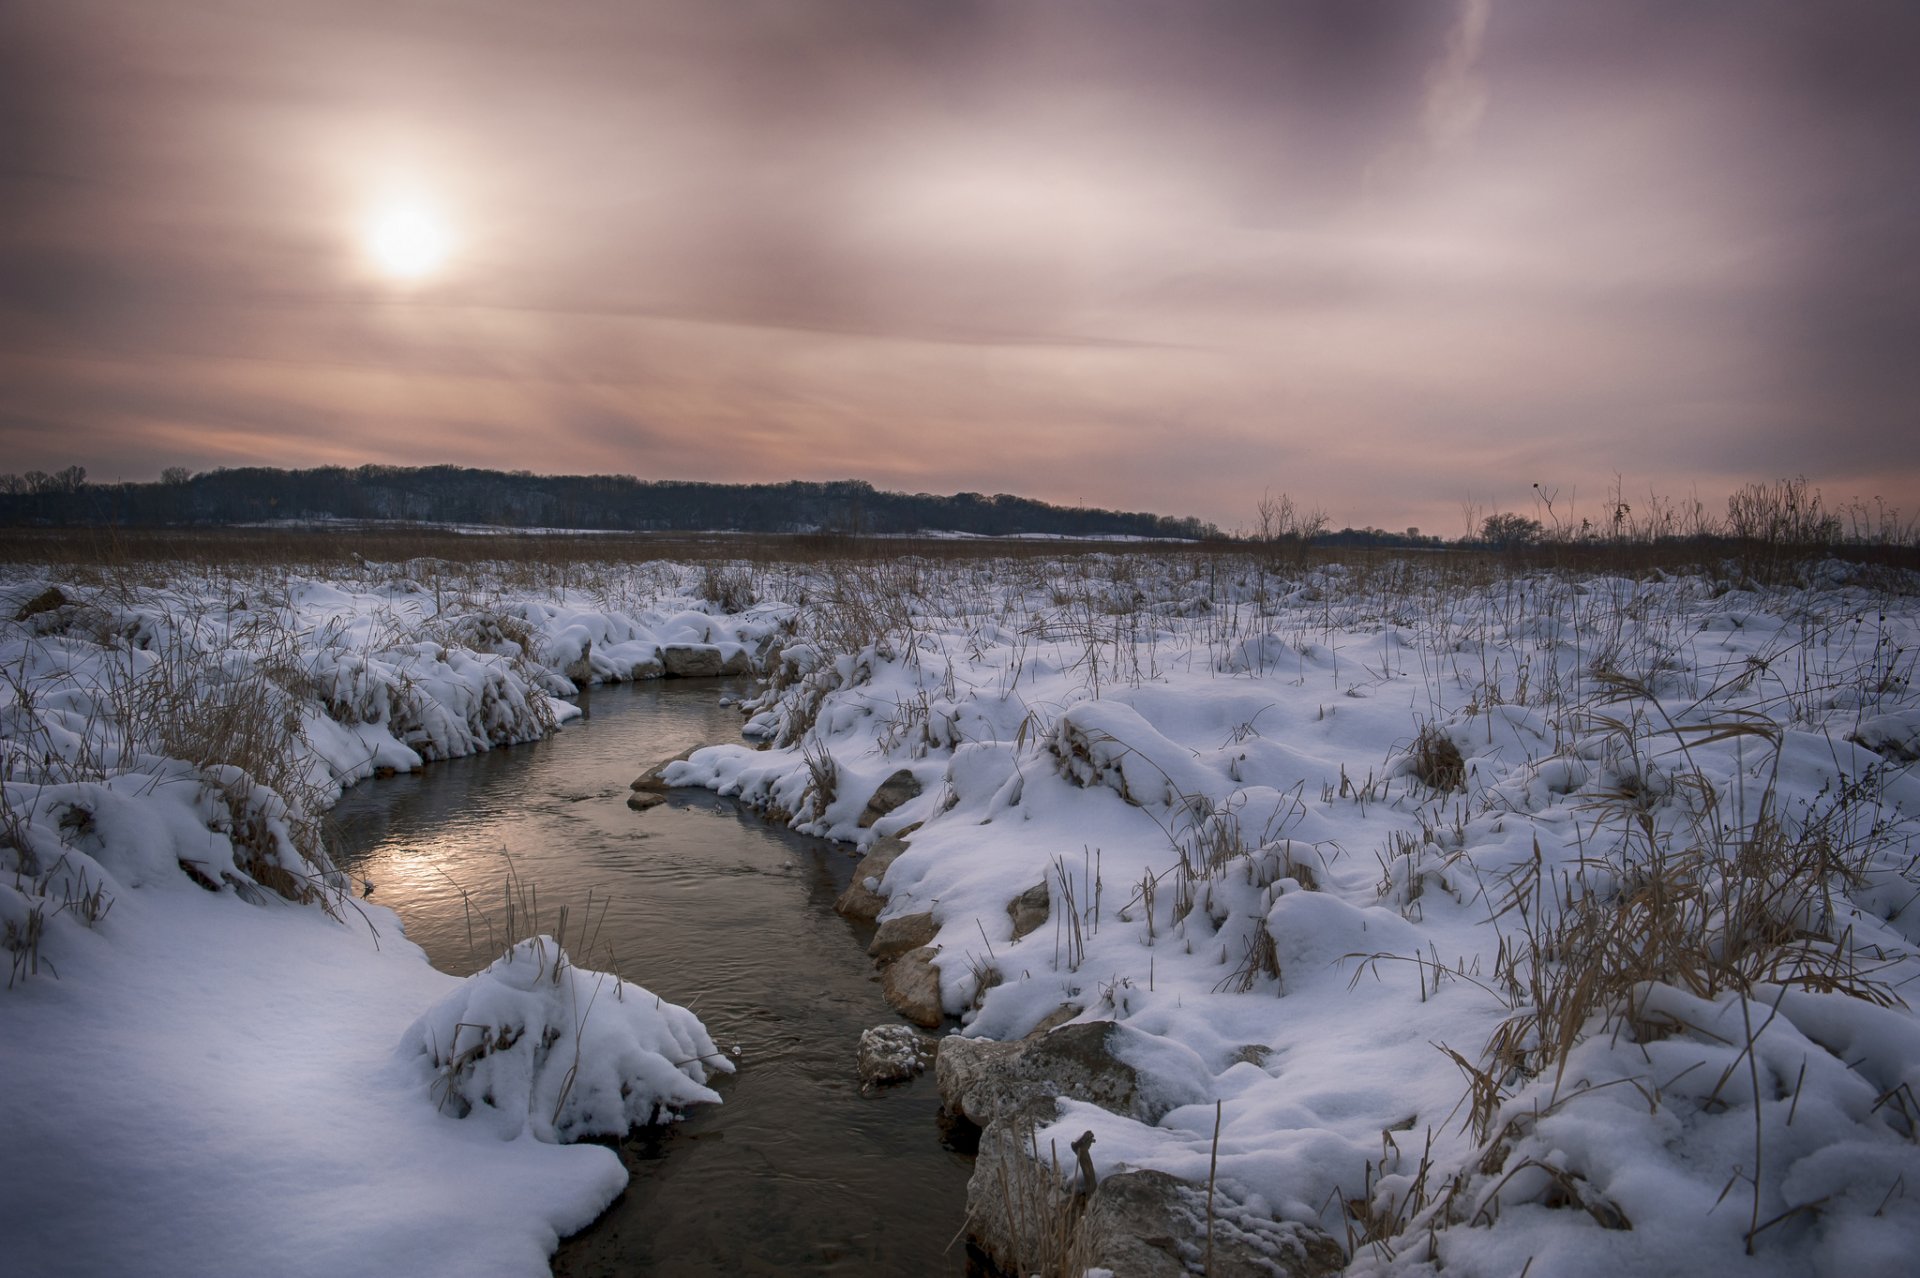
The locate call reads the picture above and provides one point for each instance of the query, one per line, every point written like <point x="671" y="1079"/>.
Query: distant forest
<point x="521" y="499"/>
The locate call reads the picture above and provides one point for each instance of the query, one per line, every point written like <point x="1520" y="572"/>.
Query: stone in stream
<point x="860" y="901"/>
<point x="912" y="984"/>
<point x="1029" y="910"/>
<point x="704" y="660"/>
<point x="692" y="660"/>
<point x="654" y="778"/>
<point x="641" y="800"/>
<point x="893" y="792"/>
<point x="890" y="1053"/>
<point x="901" y="933"/>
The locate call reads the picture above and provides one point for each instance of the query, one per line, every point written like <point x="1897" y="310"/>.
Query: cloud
<point x="1456" y="92"/>
<point x="1136" y="254"/>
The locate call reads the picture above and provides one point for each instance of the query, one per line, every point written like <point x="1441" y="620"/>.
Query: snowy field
<point x="1501" y="918"/>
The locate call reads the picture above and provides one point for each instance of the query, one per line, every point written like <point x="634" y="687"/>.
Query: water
<point x="707" y="906"/>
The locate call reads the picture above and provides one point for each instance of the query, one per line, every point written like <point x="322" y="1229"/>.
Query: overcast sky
<point x="1389" y="257"/>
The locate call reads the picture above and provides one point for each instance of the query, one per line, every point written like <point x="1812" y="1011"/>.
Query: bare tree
<point x="1278" y="518"/>
<point x="1507" y="529"/>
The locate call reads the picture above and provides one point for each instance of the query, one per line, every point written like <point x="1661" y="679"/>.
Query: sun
<point x="407" y="240"/>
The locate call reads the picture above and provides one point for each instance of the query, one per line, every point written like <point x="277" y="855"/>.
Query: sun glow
<point x="406" y="241"/>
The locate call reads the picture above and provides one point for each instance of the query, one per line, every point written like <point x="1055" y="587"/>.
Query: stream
<point x="700" y="901"/>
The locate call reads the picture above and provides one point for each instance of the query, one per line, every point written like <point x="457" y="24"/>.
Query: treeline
<point x="521" y="499"/>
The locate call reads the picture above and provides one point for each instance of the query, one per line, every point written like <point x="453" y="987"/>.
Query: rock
<point x="1029" y="910"/>
<point x="580" y="669"/>
<point x="860" y="901"/>
<point x="46" y="601"/>
<point x="646" y="668"/>
<point x="911" y="984"/>
<point x="1141" y="1224"/>
<point x="985" y="1080"/>
<point x="654" y="778"/>
<point x="1054" y="1020"/>
<point x="1018" y="1213"/>
<point x="900" y="934"/>
<point x="1147" y="1222"/>
<point x="889" y="1053"/>
<point x="893" y="792"/>
<point x="641" y="800"/>
<point x="963" y="1069"/>
<point x="737" y="662"/>
<point x="692" y="660"/>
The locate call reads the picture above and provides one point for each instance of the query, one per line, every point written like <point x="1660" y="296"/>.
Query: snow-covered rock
<point x="890" y="1053"/>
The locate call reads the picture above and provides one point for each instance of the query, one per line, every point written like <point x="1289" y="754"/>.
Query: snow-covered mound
<point x="535" y="1044"/>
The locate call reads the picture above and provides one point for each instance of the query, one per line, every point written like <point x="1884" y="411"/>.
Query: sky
<point x="1400" y="259"/>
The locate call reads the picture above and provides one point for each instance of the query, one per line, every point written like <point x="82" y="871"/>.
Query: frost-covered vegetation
<point x="1498" y="913"/>
<point x="1506" y="915"/>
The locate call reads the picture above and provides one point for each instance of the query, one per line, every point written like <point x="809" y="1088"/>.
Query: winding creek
<point x="707" y="906"/>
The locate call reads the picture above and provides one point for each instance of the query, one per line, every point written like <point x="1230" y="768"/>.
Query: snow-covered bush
<point x="535" y="1044"/>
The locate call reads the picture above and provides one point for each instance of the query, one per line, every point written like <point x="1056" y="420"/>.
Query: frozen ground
<point x="1504" y="918"/>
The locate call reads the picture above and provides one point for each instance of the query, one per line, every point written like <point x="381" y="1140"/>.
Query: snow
<point x="1219" y="771"/>
<point x="538" y="1045"/>
<point x="217" y="1060"/>
<point x="209" y="1087"/>
<point x="1221" y="782"/>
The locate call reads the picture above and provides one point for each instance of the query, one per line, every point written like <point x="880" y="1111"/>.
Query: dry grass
<point x="238" y="722"/>
<point x="1682" y="897"/>
<point x="271" y="546"/>
<point x="495" y="929"/>
<point x="823" y="778"/>
<point x="1041" y="1204"/>
<point x="1436" y="760"/>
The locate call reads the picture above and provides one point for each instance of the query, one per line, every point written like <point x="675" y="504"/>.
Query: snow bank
<point x="1350" y="847"/>
<point x="199" y="1022"/>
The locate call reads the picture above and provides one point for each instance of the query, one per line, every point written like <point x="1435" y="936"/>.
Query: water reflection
<point x="797" y="1172"/>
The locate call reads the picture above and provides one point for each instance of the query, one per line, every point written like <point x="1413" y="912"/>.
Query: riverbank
<point x="1452" y="920"/>
<point x="1452" y="917"/>
<point x="221" y="1058"/>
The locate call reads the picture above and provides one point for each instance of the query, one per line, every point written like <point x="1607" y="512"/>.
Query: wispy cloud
<point x="1456" y="91"/>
